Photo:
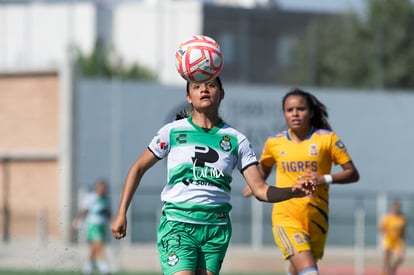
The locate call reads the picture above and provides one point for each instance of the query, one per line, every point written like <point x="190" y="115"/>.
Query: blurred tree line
<point x="373" y="50"/>
<point x="103" y="63"/>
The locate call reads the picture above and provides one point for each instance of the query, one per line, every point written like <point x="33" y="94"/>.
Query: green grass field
<point x="30" y="272"/>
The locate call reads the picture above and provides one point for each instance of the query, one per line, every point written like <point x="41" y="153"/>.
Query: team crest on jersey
<point x="340" y="145"/>
<point x="221" y="215"/>
<point x="298" y="237"/>
<point x="313" y="150"/>
<point x="172" y="259"/>
<point x="161" y="144"/>
<point x="225" y="143"/>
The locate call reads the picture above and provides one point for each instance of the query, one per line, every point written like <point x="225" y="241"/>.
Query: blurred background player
<point x="195" y="228"/>
<point x="392" y="226"/>
<point x="307" y="149"/>
<point x="95" y="214"/>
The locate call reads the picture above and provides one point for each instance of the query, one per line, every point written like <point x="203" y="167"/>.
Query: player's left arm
<point x="109" y="213"/>
<point x="265" y="172"/>
<point x="349" y="174"/>
<point x="265" y="192"/>
<point x="340" y="156"/>
<point x="404" y="230"/>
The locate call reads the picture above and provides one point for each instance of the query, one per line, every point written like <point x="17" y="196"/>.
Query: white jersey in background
<point x="98" y="209"/>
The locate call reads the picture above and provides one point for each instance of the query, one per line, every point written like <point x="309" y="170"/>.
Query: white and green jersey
<point x="98" y="209"/>
<point x="200" y="166"/>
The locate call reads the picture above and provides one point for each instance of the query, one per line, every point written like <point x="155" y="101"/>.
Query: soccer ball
<point x="199" y="59"/>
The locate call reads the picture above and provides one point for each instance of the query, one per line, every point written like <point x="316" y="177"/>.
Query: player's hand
<point x="305" y="186"/>
<point x="247" y="192"/>
<point x="76" y="224"/>
<point x="314" y="177"/>
<point x="119" y="226"/>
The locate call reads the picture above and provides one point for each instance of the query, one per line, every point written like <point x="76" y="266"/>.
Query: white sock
<point x="310" y="271"/>
<point x="88" y="268"/>
<point x="103" y="267"/>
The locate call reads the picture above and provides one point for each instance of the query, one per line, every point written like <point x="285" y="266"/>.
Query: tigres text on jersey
<point x="316" y="153"/>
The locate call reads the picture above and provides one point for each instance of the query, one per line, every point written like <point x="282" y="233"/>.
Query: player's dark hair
<point x="220" y="84"/>
<point x="183" y="113"/>
<point x="320" y="113"/>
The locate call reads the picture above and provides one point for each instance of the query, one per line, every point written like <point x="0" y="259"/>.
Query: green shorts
<point x="95" y="232"/>
<point x="185" y="246"/>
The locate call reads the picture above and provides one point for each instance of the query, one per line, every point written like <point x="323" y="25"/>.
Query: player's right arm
<point x="78" y="220"/>
<point x="382" y="225"/>
<point x="135" y="174"/>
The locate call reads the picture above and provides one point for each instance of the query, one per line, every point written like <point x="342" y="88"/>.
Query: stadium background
<point x="139" y="110"/>
<point x="68" y="131"/>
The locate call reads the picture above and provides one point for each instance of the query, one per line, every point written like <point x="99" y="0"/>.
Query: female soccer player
<point x="202" y="150"/>
<point x="392" y="227"/>
<point x="307" y="149"/>
<point x="96" y="213"/>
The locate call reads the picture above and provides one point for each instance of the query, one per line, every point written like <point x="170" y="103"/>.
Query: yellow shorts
<point x="291" y="240"/>
<point x="395" y="245"/>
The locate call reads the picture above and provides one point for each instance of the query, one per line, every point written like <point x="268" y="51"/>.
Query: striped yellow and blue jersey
<point x="316" y="153"/>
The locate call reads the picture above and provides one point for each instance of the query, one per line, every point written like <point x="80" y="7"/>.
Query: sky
<point x="324" y="5"/>
<point x="317" y="5"/>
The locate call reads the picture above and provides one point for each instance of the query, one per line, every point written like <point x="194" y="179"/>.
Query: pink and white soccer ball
<point x="199" y="59"/>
